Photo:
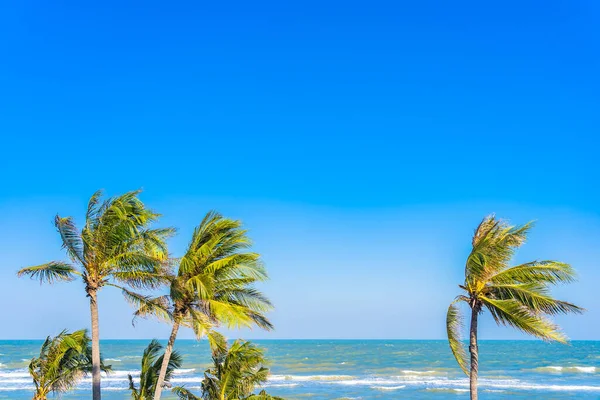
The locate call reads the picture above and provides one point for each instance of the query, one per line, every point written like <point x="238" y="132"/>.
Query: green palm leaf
<point x="454" y="322"/>
<point x="54" y="271"/>
<point x="547" y="272"/>
<point x="513" y="313"/>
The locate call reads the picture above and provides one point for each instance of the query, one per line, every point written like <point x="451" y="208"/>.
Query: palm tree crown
<point x="235" y="373"/>
<point x="63" y="361"/>
<point x="114" y="246"/>
<point x="213" y="285"/>
<point x="151" y="363"/>
<point x="516" y="296"/>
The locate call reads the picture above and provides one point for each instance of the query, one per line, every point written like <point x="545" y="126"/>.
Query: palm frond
<point x="494" y="244"/>
<point x="218" y="342"/>
<point x="54" y="271"/>
<point x="551" y="272"/>
<point x="262" y="395"/>
<point x="454" y="323"/>
<point x="184" y="394"/>
<point x="71" y="238"/>
<point x="147" y="306"/>
<point x="513" y="313"/>
<point x="140" y="279"/>
<point x="534" y="296"/>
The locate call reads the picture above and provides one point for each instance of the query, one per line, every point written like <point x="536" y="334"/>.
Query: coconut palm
<point x="213" y="286"/>
<point x="63" y="361"/>
<point x="516" y="296"/>
<point x="115" y="247"/>
<point x="234" y="375"/>
<point x="185" y="394"/>
<point x="151" y="363"/>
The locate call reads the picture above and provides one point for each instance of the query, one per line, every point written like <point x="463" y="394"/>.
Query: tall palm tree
<point x="213" y="286"/>
<point x="516" y="296"/>
<point x="116" y="246"/>
<point x="151" y="363"/>
<point x="63" y="361"/>
<point x="234" y="375"/>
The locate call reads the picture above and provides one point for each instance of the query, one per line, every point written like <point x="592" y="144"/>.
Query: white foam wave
<point x="19" y="379"/>
<point x="14" y="388"/>
<point x="187" y="380"/>
<point x="184" y="371"/>
<point x="115" y="374"/>
<point x="19" y="373"/>
<point x="433" y="383"/>
<point x="311" y="377"/>
<point x="385" y="388"/>
<point x="282" y="384"/>
<point x="411" y="372"/>
<point x="570" y="369"/>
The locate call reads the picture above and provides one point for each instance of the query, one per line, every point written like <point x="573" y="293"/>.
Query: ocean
<point x="355" y="369"/>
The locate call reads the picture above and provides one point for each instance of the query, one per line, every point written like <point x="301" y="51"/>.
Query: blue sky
<point x="360" y="143"/>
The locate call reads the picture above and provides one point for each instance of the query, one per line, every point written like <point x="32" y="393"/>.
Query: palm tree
<point x="185" y="394"/>
<point x="63" y="361"/>
<point x="115" y="246"/>
<point x="234" y="375"/>
<point x="517" y="296"/>
<point x="151" y="363"/>
<point x="213" y="286"/>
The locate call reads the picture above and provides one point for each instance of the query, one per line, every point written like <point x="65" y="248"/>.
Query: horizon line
<point x="330" y="339"/>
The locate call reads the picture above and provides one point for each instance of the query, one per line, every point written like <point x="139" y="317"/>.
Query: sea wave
<point x="447" y="390"/>
<point x="311" y="377"/>
<point x="411" y="372"/>
<point x="184" y="371"/>
<point x="429" y="383"/>
<point x="282" y="384"/>
<point x="18" y="373"/>
<point x="386" y="388"/>
<point x="569" y="369"/>
<point x="19" y="379"/>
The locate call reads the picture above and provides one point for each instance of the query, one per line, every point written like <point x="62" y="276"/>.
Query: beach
<point x="354" y="369"/>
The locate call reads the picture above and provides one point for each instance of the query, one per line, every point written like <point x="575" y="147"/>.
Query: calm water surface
<point x="356" y="369"/>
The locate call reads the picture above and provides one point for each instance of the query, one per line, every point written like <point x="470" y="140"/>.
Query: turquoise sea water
<point x="356" y="369"/>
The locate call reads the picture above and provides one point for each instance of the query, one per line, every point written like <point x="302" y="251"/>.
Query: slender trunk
<point x="95" y="345"/>
<point x="165" y="363"/>
<point x="473" y="349"/>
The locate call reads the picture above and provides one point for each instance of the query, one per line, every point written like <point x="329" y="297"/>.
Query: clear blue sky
<point x="360" y="142"/>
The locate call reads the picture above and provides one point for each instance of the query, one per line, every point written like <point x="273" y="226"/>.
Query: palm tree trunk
<point x="40" y="396"/>
<point x="95" y="346"/>
<point x="165" y="363"/>
<point x="473" y="349"/>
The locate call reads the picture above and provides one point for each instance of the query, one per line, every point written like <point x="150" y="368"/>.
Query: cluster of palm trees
<point x="212" y="285"/>
<point x="235" y="373"/>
